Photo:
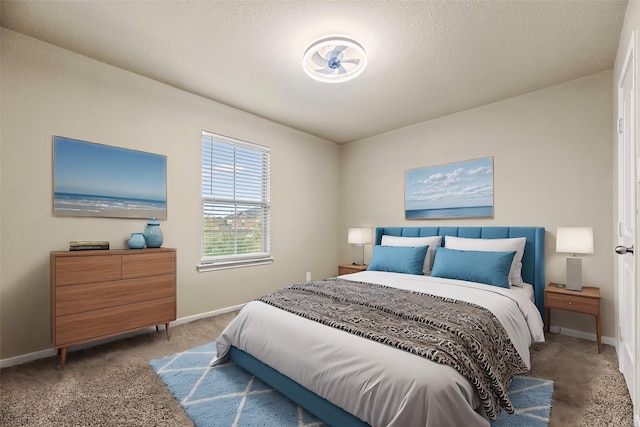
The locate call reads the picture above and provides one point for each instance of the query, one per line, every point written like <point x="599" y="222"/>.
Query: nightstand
<point x="350" y="268"/>
<point x="587" y="302"/>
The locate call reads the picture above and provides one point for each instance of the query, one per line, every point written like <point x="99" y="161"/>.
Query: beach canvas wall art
<point x="454" y="190"/>
<point x="103" y="181"/>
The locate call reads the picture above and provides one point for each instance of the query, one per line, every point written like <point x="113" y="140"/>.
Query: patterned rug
<point x="227" y="395"/>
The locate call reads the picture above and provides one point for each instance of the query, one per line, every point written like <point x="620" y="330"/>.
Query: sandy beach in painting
<point x="66" y="204"/>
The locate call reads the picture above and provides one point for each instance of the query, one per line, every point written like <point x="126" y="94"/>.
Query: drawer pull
<point x="569" y="302"/>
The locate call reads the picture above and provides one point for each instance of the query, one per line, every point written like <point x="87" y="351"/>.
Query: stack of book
<point x="84" y="245"/>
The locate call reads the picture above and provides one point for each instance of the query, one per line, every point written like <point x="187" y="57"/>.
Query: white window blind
<point x="235" y="202"/>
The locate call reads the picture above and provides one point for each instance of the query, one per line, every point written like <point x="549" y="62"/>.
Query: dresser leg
<point x="166" y="328"/>
<point x="63" y="356"/>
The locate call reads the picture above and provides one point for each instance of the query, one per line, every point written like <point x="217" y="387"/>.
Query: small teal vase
<point x="153" y="234"/>
<point x="136" y="241"/>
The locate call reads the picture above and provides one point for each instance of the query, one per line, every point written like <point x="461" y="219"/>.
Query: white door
<point x="627" y="219"/>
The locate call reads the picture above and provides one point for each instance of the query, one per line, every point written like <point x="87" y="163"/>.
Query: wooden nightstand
<point x="587" y="302"/>
<point x="350" y="268"/>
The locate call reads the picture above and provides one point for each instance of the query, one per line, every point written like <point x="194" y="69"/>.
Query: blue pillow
<point x="398" y="259"/>
<point x="491" y="268"/>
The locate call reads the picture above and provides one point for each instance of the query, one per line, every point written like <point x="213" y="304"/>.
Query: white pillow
<point x="431" y="241"/>
<point x="494" y="245"/>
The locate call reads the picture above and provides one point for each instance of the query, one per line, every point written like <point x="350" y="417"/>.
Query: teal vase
<point x="153" y="234"/>
<point x="136" y="241"/>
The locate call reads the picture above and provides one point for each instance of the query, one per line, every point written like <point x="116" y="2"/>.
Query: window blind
<point x="235" y="201"/>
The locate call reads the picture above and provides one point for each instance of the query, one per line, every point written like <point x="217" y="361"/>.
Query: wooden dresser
<point x="100" y="294"/>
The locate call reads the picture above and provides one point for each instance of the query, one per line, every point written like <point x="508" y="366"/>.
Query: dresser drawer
<point x="92" y="325"/>
<point x="70" y="270"/>
<point x="147" y="264"/>
<point x="95" y="296"/>
<point x="573" y="303"/>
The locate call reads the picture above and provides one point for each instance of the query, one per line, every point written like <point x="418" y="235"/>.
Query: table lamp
<point x="359" y="237"/>
<point x="575" y="240"/>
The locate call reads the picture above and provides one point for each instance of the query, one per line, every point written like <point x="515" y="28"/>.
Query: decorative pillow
<point x="494" y="245"/>
<point x="431" y="241"/>
<point x="398" y="259"/>
<point x="491" y="268"/>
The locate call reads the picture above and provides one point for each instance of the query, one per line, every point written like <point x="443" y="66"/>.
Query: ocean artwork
<point x="453" y="190"/>
<point x="103" y="181"/>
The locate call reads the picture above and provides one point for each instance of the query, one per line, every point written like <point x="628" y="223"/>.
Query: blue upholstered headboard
<point x="532" y="260"/>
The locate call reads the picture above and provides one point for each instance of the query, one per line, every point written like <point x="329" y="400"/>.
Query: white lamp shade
<point x="575" y="240"/>
<point x="359" y="236"/>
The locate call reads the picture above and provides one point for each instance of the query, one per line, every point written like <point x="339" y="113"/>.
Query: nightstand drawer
<point x="348" y="269"/>
<point x="572" y="302"/>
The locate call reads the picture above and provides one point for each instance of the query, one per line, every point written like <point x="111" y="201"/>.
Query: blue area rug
<point x="226" y="395"/>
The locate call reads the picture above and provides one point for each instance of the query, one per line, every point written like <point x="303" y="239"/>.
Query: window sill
<point x="203" y="268"/>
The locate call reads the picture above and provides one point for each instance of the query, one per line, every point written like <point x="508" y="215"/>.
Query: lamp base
<point x="355" y="261"/>
<point x="574" y="274"/>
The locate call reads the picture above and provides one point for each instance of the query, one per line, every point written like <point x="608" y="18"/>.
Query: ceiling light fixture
<point x="334" y="59"/>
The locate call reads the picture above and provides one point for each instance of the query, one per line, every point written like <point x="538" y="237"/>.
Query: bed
<point x="348" y="377"/>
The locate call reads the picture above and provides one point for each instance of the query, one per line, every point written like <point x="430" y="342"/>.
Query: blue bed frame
<point x="532" y="272"/>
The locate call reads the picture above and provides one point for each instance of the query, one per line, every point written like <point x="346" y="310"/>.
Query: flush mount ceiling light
<point x="334" y="59"/>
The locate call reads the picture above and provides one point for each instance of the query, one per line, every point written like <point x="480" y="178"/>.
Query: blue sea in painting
<point x="91" y="205"/>
<point x="465" y="212"/>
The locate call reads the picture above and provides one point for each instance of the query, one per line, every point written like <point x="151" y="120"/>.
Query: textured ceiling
<point x="426" y="59"/>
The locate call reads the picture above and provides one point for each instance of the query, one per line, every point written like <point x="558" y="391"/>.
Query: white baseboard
<point x="24" y="358"/>
<point x="188" y="319"/>
<point x="29" y="357"/>
<point x="583" y="335"/>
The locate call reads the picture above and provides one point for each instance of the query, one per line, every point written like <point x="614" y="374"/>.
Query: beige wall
<point x="552" y="157"/>
<point x="631" y="23"/>
<point x="552" y="154"/>
<point x="49" y="91"/>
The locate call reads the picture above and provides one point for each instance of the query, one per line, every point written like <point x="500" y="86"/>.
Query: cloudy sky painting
<point x="454" y="190"/>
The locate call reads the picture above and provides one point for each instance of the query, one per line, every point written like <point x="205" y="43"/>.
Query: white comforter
<point x="377" y="383"/>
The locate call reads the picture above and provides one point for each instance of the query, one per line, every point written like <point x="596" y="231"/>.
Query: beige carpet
<point x="113" y="384"/>
<point x="589" y="390"/>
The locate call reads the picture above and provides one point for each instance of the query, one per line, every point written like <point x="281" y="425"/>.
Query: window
<point x="235" y="203"/>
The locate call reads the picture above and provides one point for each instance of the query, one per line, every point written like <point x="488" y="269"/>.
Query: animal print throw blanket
<point x="467" y="337"/>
